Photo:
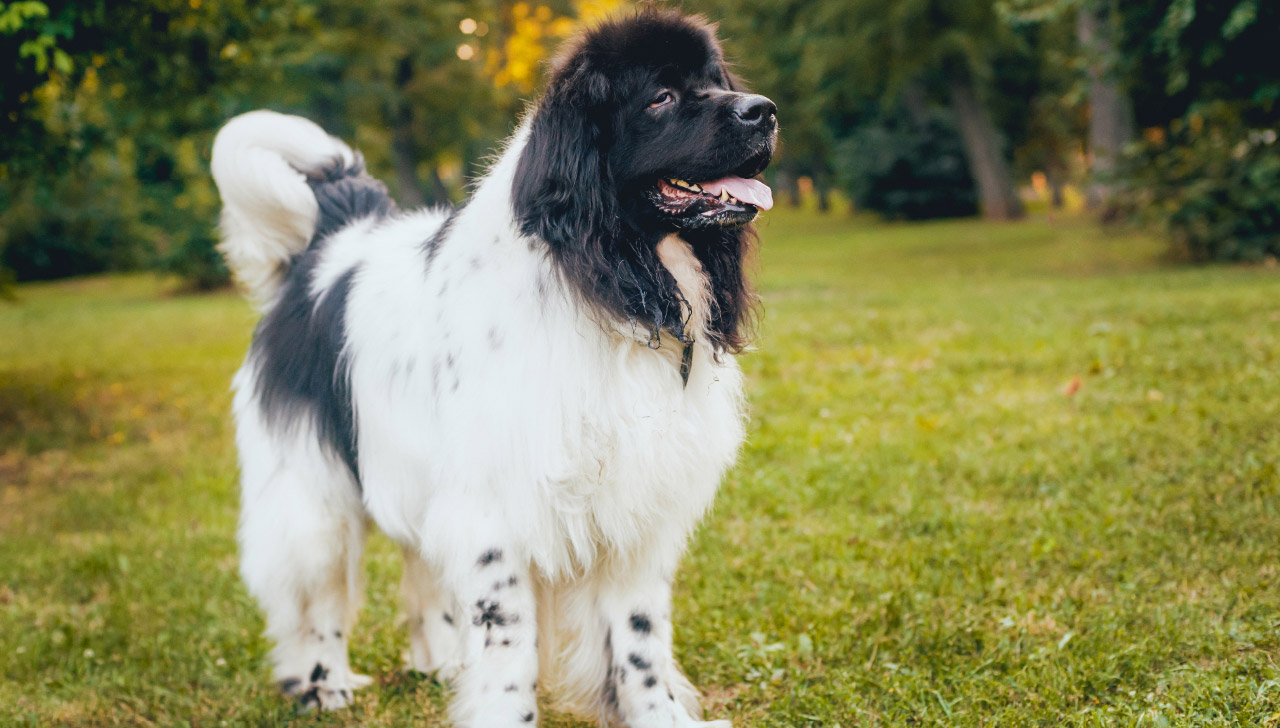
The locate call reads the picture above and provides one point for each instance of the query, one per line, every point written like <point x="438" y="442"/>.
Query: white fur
<point x="268" y="211"/>
<point x="493" y="413"/>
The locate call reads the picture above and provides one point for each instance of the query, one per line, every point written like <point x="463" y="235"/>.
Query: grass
<point x="1019" y="474"/>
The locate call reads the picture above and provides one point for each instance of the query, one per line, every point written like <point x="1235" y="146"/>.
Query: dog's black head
<point x="643" y="132"/>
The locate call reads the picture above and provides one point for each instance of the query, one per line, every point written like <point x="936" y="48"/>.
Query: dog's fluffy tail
<point x="281" y="178"/>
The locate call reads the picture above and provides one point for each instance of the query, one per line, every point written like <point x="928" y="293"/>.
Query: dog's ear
<point x="561" y="191"/>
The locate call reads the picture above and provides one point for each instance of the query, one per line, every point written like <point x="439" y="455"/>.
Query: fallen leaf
<point x="1073" y="386"/>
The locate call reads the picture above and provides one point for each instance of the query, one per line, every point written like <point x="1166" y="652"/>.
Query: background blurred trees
<point x="1164" y="111"/>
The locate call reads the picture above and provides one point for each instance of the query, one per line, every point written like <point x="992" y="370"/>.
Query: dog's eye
<point x="662" y="99"/>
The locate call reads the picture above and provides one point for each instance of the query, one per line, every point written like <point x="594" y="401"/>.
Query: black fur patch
<point x="297" y="351"/>
<point x="346" y="194"/>
<point x="492" y="555"/>
<point x="431" y="246"/>
<point x="319" y="673"/>
<point x="297" y="348"/>
<point x="640" y="623"/>
<point x="290" y="685"/>
<point x="639" y="662"/>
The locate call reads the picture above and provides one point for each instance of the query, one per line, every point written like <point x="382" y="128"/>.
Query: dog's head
<point x="644" y="132"/>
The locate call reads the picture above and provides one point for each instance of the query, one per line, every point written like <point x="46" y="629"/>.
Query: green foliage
<point x="72" y="225"/>
<point x="1213" y="183"/>
<point x="27" y="21"/>
<point x="923" y="528"/>
<point x="907" y="170"/>
<point x="1209" y="169"/>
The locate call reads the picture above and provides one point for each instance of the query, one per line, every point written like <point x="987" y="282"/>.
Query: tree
<point x="949" y="48"/>
<point x="1110" y="110"/>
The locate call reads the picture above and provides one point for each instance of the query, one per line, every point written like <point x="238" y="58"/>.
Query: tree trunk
<point x="916" y="103"/>
<point x="788" y="181"/>
<point x="402" y="142"/>
<point x="982" y="146"/>
<point x="1110" y="110"/>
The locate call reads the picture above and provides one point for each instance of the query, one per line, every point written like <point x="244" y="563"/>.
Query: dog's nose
<point x="755" y="110"/>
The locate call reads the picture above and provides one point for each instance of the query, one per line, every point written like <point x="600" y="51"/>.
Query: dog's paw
<point x="442" y="672"/>
<point x="324" y="690"/>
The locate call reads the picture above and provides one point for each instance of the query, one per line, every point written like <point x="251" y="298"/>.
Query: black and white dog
<point x="534" y="394"/>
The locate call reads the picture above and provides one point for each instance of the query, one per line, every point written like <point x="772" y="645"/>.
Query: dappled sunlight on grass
<point x="1001" y="474"/>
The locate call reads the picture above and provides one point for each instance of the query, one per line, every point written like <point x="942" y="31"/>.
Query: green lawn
<point x="928" y="525"/>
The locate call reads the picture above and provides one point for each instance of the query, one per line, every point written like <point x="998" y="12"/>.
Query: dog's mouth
<point x="724" y="202"/>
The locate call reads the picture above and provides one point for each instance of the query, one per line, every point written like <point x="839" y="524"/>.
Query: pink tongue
<point x="751" y="191"/>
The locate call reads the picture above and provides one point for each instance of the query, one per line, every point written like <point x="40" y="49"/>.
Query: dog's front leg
<point x="644" y="687"/>
<point x="496" y="686"/>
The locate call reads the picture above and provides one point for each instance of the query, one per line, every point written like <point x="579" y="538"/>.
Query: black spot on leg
<point x="611" y="693"/>
<point x="290" y="685"/>
<point x="510" y="688"/>
<point x="512" y="580"/>
<point x="640" y="623"/>
<point x="488" y="641"/>
<point x="337" y="633"/>
<point x="506" y="643"/>
<point x="671" y="697"/>
<point x="650" y="681"/>
<point x="622" y="676"/>
<point x="309" y="697"/>
<point x="497" y="585"/>
<point x="653" y="706"/>
<point x="448" y="619"/>
<point x="490" y="556"/>
<point x="527" y="717"/>
<point x="639" y="662"/>
<point x="319" y="673"/>
<point x="610" y="687"/>
<point x="490" y="614"/>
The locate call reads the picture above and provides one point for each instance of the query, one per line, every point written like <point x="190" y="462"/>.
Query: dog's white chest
<point x="648" y="458"/>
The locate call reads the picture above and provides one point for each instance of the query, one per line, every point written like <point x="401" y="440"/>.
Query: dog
<point x="534" y="394"/>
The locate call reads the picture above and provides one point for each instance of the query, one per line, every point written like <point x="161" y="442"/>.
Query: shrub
<point x="1212" y="181"/>
<point x="907" y="170"/>
<point x="73" y="224"/>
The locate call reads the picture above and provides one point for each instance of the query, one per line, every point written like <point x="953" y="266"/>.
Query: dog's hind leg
<point x="302" y="532"/>
<point x="435" y="621"/>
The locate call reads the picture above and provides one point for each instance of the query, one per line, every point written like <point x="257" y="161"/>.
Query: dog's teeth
<point x="724" y="195"/>
<point x="695" y="188"/>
